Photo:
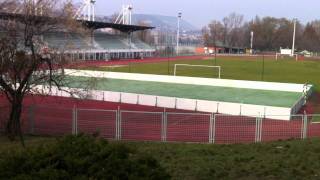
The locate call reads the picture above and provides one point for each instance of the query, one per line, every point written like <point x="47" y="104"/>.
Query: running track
<point x="53" y="116"/>
<point x="128" y="61"/>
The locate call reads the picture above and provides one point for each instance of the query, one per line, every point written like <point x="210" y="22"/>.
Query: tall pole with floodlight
<point x="178" y="32"/>
<point x="294" y="36"/>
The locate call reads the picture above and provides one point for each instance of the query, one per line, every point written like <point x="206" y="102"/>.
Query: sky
<point x="201" y="12"/>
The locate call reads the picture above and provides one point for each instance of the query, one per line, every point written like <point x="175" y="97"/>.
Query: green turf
<point x="269" y="161"/>
<point x="212" y="93"/>
<point x="242" y="68"/>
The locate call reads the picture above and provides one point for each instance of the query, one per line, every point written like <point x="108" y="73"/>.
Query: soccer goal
<point x="279" y="56"/>
<point x="286" y="52"/>
<point x="218" y="68"/>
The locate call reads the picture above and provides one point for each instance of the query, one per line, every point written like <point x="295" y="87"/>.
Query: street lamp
<point x="178" y="31"/>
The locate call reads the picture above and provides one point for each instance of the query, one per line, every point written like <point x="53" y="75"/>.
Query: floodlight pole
<point x="178" y="32"/>
<point x="93" y="12"/>
<point x="294" y="36"/>
<point x="251" y="40"/>
<point x="167" y="48"/>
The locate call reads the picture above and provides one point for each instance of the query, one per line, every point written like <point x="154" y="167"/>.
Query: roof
<point x="89" y="24"/>
<point x="120" y="27"/>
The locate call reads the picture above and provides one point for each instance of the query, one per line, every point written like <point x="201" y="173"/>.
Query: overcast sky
<point x="200" y="12"/>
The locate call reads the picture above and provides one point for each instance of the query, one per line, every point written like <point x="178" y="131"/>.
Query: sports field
<point x="211" y="93"/>
<point x="257" y="68"/>
<point x="240" y="68"/>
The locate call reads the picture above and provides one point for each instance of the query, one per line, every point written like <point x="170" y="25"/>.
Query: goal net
<point x="197" y="70"/>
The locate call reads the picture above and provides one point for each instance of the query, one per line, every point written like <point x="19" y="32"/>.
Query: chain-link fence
<point x="314" y="125"/>
<point x="163" y="126"/>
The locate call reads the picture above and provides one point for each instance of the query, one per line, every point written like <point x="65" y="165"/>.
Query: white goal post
<point x="280" y="55"/>
<point x="189" y="65"/>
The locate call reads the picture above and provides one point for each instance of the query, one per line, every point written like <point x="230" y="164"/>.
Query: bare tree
<point x="25" y="59"/>
<point x="232" y="25"/>
<point x="205" y="36"/>
<point x="310" y="38"/>
<point x="216" y="34"/>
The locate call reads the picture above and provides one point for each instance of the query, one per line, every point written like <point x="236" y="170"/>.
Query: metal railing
<point x="164" y="126"/>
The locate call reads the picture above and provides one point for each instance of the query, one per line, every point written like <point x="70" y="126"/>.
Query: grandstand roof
<point x="120" y="27"/>
<point x="88" y="24"/>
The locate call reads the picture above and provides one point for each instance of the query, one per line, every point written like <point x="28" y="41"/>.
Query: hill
<point x="163" y="22"/>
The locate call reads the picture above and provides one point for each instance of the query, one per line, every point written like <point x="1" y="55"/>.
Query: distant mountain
<point x="163" y="22"/>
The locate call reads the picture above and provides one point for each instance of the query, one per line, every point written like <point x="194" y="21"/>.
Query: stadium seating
<point x="70" y="41"/>
<point x="101" y="41"/>
<point x="108" y="41"/>
<point x="102" y="46"/>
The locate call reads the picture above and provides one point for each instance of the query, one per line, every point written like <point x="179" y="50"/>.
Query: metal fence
<point x="163" y="126"/>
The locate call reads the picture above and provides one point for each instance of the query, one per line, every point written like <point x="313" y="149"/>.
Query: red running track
<point x="53" y="116"/>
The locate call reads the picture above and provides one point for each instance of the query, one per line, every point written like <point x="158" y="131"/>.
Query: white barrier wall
<point x="181" y="103"/>
<point x="166" y="102"/>
<point x="111" y="96"/>
<point x="147" y="100"/>
<point x="207" y="106"/>
<point x="288" y="87"/>
<point x="186" y="104"/>
<point x="129" y="98"/>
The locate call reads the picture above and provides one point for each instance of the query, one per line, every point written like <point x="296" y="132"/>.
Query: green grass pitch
<point x="240" y="68"/>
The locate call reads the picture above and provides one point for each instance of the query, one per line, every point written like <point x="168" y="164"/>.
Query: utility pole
<point x="294" y="36"/>
<point x="178" y="32"/>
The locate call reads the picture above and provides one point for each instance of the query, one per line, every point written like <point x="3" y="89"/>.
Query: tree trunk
<point x="13" y="128"/>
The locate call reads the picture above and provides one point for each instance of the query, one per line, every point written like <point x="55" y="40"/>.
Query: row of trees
<point x="269" y="33"/>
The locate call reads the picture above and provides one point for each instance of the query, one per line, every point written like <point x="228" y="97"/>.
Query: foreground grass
<point x="279" y="160"/>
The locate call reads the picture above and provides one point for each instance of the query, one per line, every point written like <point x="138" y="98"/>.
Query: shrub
<point x="79" y="157"/>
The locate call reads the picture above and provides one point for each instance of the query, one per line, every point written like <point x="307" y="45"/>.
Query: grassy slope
<point x="279" y="160"/>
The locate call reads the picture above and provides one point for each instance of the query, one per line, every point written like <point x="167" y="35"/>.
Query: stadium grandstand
<point x="102" y="46"/>
<point x="107" y="41"/>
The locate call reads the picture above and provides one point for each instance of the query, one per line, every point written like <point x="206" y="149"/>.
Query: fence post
<point x="256" y="130"/>
<point x="305" y="126"/>
<point x="164" y="126"/>
<point x="213" y="128"/>
<point x="118" y="124"/>
<point x="260" y="127"/>
<point x="31" y="119"/>
<point x="258" y="133"/>
<point x="74" y="120"/>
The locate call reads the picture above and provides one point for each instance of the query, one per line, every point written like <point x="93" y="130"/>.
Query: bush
<point x="79" y="157"/>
